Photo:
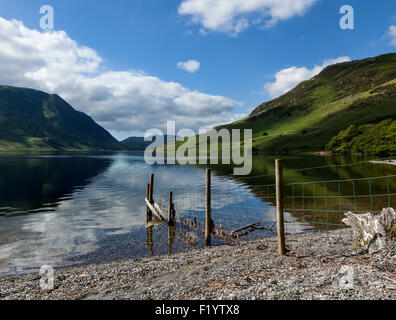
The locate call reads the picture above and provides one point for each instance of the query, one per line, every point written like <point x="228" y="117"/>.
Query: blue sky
<point x="152" y="36"/>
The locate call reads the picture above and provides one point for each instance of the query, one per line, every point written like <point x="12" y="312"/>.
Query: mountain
<point x="361" y="92"/>
<point x="138" y="143"/>
<point x="32" y="120"/>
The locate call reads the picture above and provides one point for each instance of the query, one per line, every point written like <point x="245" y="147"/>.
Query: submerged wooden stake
<point x="280" y="208"/>
<point x="171" y="237"/>
<point x="208" y="225"/>
<point x="151" y="193"/>
<point x="171" y="210"/>
<point x="149" y="214"/>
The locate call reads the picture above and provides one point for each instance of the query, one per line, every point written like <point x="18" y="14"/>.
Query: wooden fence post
<point x="280" y="208"/>
<point x="208" y="225"/>
<point x="171" y="224"/>
<point x="150" y="191"/>
<point x="149" y="214"/>
<point x="151" y="194"/>
<point x="150" y="242"/>
<point x="150" y="218"/>
<point x="171" y="218"/>
<point x="171" y="237"/>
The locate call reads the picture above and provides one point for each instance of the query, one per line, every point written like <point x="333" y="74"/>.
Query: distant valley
<point x="139" y="144"/>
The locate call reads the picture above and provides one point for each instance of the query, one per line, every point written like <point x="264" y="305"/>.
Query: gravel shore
<point x="313" y="269"/>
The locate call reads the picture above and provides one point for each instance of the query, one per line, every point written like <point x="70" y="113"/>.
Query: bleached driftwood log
<point x="369" y="228"/>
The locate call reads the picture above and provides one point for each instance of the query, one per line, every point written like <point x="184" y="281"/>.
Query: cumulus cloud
<point x="234" y="16"/>
<point x="121" y="101"/>
<point x="289" y="78"/>
<point x="191" y="66"/>
<point x="391" y="34"/>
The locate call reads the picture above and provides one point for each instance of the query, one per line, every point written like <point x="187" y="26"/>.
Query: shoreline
<point x="391" y="162"/>
<point x="251" y="271"/>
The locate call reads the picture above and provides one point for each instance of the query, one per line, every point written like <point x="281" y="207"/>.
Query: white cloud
<point x="391" y="34"/>
<point x="191" y="66"/>
<point x="121" y="101"/>
<point x="287" y="79"/>
<point x="234" y="16"/>
<point x="203" y="32"/>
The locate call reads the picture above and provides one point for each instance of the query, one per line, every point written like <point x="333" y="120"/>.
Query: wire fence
<point x="309" y="206"/>
<point x="241" y="205"/>
<point x="316" y="205"/>
<point x="323" y="204"/>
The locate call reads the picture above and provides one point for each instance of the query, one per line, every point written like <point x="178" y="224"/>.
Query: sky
<point x="133" y="65"/>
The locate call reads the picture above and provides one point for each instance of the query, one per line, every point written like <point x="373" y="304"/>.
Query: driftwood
<point x="156" y="206"/>
<point x="152" y="208"/>
<point x="369" y="228"/>
<point x="249" y="228"/>
<point x="273" y="225"/>
<point x="153" y="223"/>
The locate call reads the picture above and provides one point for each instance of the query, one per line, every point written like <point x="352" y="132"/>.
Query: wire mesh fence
<point x="323" y="204"/>
<point x="309" y="206"/>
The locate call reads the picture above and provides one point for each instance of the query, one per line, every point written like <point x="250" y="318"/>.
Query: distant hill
<point x="32" y="120"/>
<point x="138" y="143"/>
<point x="356" y="93"/>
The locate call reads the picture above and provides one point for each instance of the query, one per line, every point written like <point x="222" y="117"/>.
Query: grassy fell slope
<point x="379" y="139"/>
<point x="309" y="116"/>
<point x="32" y="120"/>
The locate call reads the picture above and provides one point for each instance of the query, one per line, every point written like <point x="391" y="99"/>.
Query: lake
<point x="79" y="209"/>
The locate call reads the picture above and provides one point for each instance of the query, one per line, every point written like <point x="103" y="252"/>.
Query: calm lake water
<point x="81" y="209"/>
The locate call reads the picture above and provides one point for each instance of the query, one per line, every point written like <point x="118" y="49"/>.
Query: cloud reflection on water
<point x="110" y="203"/>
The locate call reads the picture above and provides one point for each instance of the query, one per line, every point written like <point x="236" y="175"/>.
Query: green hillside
<point x="309" y="116"/>
<point x="369" y="139"/>
<point x="32" y="120"/>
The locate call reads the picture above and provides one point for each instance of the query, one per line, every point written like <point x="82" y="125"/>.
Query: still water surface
<point x="78" y="209"/>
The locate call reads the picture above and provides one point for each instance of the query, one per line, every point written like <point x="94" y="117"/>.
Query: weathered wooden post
<point x="149" y="214"/>
<point x="208" y="225"/>
<point x="171" y="237"/>
<point x="151" y="194"/>
<point x="171" y="224"/>
<point x="280" y="208"/>
<point x="149" y="239"/>
<point x="149" y="230"/>
<point x="171" y="218"/>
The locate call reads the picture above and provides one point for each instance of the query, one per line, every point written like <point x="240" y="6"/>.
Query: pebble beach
<point x="315" y="268"/>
